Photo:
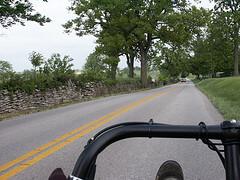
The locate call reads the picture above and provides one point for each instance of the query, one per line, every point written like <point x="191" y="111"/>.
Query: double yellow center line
<point x="60" y="142"/>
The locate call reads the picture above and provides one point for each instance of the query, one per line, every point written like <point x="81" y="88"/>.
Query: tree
<point x="112" y="62"/>
<point x="37" y="60"/>
<point x="230" y="9"/>
<point x="201" y="62"/>
<point x="141" y="20"/>
<point x="172" y="60"/>
<point x="59" y="69"/>
<point x="214" y="51"/>
<point x="166" y="21"/>
<point x="94" y="62"/>
<point x="18" y="11"/>
<point x="6" y="71"/>
<point x="117" y="41"/>
<point x="220" y="44"/>
<point x="131" y="56"/>
<point x="112" y="47"/>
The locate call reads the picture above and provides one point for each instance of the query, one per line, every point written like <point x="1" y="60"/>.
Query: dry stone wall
<point x="21" y="101"/>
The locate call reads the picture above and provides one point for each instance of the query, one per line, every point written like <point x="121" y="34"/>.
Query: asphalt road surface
<point x="32" y="146"/>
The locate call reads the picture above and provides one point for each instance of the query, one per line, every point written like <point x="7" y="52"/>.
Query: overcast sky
<point x="17" y="42"/>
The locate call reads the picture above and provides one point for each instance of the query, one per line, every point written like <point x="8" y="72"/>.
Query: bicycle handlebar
<point x="115" y="133"/>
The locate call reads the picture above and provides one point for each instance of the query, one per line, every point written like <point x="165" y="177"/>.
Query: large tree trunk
<point x="130" y="63"/>
<point x="113" y="64"/>
<point x="236" y="72"/>
<point x="144" y="80"/>
<point x="144" y="47"/>
<point x="113" y="71"/>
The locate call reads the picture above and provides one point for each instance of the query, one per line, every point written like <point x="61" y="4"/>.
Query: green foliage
<point x="111" y="82"/>
<point x="17" y="82"/>
<point x="57" y="72"/>
<point x="18" y="11"/>
<point x="110" y="45"/>
<point x="6" y="71"/>
<point x="121" y="26"/>
<point x="149" y="79"/>
<point x="229" y="12"/>
<point x="95" y="63"/>
<point x="101" y="63"/>
<point x="172" y="61"/>
<point x="220" y="44"/>
<point x="200" y="63"/>
<point x="36" y="59"/>
<point x="59" y="69"/>
<point x="99" y="67"/>
<point x="124" y="71"/>
<point x="161" y="77"/>
<point x="92" y="76"/>
<point x="214" y="52"/>
<point x="112" y="63"/>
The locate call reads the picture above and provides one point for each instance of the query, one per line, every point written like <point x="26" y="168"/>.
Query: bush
<point x="160" y="77"/>
<point x="149" y="79"/>
<point x="26" y="82"/>
<point x="92" y="76"/>
<point x="6" y="71"/>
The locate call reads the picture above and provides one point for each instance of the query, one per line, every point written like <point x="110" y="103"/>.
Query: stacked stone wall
<point x="22" y="101"/>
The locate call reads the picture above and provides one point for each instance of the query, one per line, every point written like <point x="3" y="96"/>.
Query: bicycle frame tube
<point x="232" y="159"/>
<point x="218" y="132"/>
<point x="231" y="149"/>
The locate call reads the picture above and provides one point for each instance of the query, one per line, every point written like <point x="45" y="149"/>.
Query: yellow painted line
<point x="36" y="159"/>
<point x="39" y="149"/>
<point x="39" y="157"/>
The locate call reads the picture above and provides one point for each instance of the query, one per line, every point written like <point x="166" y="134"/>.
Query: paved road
<point x="34" y="145"/>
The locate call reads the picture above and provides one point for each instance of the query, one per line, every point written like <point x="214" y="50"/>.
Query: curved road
<point x="32" y="146"/>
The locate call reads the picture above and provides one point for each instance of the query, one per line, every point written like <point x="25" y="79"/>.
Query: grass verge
<point x="224" y="94"/>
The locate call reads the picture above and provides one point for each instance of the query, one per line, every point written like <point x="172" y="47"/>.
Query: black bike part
<point x="232" y="148"/>
<point x="120" y="125"/>
<point x="210" y="144"/>
<point x="92" y="171"/>
<point x="232" y="156"/>
<point x="112" y="127"/>
<point x="142" y="130"/>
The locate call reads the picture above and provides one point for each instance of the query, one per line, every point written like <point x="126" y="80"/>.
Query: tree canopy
<point x="229" y="11"/>
<point x="139" y="22"/>
<point x="217" y="49"/>
<point x="94" y="62"/>
<point x="19" y="11"/>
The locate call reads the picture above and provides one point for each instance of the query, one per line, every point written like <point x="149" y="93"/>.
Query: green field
<point x="224" y="93"/>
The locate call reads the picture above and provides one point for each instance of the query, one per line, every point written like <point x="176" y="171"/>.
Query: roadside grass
<point x="224" y="94"/>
